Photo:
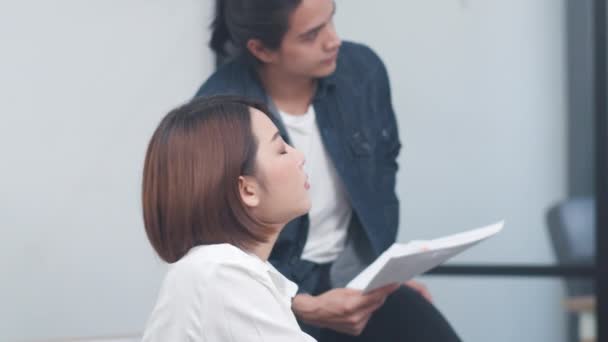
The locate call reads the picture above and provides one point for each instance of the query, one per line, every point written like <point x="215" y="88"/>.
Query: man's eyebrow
<point x="312" y="30"/>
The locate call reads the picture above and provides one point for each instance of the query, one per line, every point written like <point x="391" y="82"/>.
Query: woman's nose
<point x="301" y="158"/>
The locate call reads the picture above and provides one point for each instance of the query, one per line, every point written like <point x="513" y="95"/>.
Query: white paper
<point x="401" y="262"/>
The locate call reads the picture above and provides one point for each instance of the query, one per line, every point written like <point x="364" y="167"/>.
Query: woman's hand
<point x="343" y="310"/>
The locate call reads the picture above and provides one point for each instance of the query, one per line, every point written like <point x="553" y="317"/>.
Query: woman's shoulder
<point x="202" y="287"/>
<point x="217" y="262"/>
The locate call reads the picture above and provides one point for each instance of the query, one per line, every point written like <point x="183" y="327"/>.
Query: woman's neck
<point x="289" y="93"/>
<point x="262" y="249"/>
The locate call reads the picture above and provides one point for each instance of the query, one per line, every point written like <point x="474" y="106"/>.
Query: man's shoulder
<point x="355" y="57"/>
<point x="231" y="78"/>
<point x="357" y="65"/>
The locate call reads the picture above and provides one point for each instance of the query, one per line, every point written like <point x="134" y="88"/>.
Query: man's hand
<point x="420" y="288"/>
<point x="343" y="310"/>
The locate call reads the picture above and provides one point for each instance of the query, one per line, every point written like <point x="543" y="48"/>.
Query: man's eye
<point x="311" y="36"/>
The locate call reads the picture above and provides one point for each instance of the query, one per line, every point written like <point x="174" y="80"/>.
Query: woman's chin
<point x="307" y="205"/>
<point x="305" y="208"/>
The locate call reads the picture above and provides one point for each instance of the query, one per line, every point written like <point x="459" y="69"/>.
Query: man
<point x="331" y="99"/>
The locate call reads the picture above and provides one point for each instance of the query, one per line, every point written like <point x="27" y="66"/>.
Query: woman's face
<point x="280" y="183"/>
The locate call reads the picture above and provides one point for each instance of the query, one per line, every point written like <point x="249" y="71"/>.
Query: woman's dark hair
<point x="190" y="181"/>
<point x="238" y="21"/>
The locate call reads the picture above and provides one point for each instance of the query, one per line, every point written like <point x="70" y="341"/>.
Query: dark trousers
<point x="406" y="316"/>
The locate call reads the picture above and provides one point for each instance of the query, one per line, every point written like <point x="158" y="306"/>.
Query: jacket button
<point x="385" y="133"/>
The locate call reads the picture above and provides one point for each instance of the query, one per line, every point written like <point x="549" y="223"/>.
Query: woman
<point x="331" y="99"/>
<point x="219" y="184"/>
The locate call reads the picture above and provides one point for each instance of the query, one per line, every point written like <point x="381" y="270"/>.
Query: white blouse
<point x="220" y="293"/>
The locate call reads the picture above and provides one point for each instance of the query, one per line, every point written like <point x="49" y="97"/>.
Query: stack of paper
<point x="401" y="262"/>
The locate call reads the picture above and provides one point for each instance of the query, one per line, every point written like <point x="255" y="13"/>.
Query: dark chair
<point x="571" y="226"/>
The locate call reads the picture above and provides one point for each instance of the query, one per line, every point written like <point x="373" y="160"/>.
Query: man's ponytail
<point x="238" y="21"/>
<point x="219" y="29"/>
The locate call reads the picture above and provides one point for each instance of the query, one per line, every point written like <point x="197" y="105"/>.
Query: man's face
<point x="310" y="46"/>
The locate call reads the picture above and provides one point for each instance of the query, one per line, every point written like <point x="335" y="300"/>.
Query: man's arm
<point x="343" y="310"/>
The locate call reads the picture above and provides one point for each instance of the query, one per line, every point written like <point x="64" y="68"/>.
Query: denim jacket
<point x="359" y="131"/>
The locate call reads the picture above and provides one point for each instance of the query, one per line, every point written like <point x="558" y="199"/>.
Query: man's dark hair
<point x="238" y="21"/>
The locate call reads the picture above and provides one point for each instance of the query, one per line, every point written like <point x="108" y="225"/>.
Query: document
<point x="403" y="261"/>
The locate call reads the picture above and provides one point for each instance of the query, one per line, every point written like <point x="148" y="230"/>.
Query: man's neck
<point x="289" y="93"/>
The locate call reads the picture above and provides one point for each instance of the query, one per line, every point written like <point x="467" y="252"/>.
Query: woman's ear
<point x="249" y="191"/>
<point x="259" y="51"/>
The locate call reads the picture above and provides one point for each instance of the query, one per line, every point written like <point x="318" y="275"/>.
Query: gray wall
<point x="83" y="85"/>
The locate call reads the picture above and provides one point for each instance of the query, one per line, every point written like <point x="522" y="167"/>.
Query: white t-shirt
<point x="220" y="293"/>
<point x="331" y="211"/>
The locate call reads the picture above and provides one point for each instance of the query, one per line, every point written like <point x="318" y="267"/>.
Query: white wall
<point x="82" y="86"/>
<point x="479" y="90"/>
